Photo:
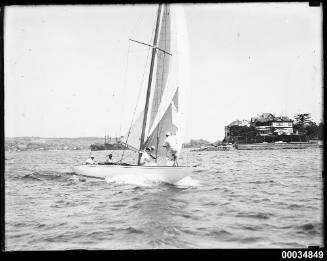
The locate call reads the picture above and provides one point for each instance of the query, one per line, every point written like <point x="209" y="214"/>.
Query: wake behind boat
<point x="164" y="104"/>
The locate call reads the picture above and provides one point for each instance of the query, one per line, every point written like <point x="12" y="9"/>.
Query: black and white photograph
<point x="163" y="126"/>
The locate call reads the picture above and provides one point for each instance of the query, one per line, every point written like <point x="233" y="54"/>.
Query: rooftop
<point x="267" y="117"/>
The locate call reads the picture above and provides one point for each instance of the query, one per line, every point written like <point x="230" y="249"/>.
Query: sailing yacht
<point x="164" y="106"/>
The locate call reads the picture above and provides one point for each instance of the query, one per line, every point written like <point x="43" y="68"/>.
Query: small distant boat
<point x="164" y="106"/>
<point x="226" y="147"/>
<point x="107" y="146"/>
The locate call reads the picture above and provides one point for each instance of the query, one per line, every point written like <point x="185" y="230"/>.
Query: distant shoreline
<point x="31" y="143"/>
<point x="40" y="143"/>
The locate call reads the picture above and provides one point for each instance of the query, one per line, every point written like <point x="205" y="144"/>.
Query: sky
<point x="70" y="71"/>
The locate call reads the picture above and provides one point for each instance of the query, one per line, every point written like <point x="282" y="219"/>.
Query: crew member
<point x="109" y="158"/>
<point x="90" y="161"/>
<point x="171" y="146"/>
<point x="146" y="158"/>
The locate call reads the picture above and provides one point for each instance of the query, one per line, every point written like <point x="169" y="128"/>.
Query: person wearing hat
<point x="109" y="158"/>
<point x="171" y="146"/>
<point x="90" y="161"/>
<point x="146" y="158"/>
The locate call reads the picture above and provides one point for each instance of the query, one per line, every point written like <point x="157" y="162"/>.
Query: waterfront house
<point x="268" y="124"/>
<point x="283" y="125"/>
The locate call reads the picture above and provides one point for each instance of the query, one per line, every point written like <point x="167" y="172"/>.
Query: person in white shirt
<point x="171" y="146"/>
<point x="146" y="158"/>
<point x="90" y="161"/>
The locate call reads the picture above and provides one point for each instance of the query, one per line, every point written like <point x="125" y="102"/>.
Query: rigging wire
<point x="114" y="93"/>
<point x="124" y="87"/>
<point x="118" y="42"/>
<point x="140" y="18"/>
<point x="138" y="98"/>
<point x="139" y="94"/>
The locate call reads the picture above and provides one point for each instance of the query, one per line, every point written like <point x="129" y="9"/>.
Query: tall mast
<point x="155" y="40"/>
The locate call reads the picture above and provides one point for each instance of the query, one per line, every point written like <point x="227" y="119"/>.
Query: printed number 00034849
<point x="302" y="254"/>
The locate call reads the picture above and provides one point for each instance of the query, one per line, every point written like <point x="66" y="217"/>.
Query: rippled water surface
<point x="232" y="199"/>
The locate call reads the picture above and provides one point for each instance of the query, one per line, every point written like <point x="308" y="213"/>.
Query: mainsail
<point x="166" y="111"/>
<point x="162" y="62"/>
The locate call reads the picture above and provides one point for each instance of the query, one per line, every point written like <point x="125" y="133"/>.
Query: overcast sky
<point x="70" y="71"/>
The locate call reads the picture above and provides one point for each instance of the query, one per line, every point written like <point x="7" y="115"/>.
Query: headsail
<point x="133" y="136"/>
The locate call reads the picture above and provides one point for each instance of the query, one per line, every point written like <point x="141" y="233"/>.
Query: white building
<point x="268" y="124"/>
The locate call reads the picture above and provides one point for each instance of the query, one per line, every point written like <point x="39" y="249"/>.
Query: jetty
<point x="279" y="145"/>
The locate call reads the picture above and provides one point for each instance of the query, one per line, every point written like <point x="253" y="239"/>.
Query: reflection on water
<point x="233" y="199"/>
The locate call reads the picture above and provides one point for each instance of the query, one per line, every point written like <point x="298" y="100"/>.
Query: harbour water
<point x="232" y="199"/>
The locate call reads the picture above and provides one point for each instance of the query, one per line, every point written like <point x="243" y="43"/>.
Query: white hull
<point x="161" y="173"/>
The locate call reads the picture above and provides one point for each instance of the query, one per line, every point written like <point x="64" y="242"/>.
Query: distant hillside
<point x="38" y="143"/>
<point x="196" y="143"/>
